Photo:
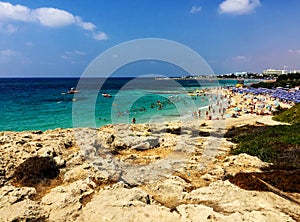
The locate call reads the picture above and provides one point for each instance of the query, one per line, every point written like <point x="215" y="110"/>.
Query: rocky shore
<point x="138" y="172"/>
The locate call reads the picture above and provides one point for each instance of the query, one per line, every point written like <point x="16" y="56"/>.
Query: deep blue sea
<point x="43" y="103"/>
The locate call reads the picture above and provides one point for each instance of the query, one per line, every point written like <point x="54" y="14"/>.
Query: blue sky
<point x="60" y="38"/>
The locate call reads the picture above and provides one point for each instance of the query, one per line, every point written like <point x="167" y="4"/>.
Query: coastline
<point x="171" y="171"/>
<point x="149" y="111"/>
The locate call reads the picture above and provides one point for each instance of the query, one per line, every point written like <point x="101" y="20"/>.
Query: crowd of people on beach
<point x="252" y="104"/>
<point x="287" y="95"/>
<point x="215" y="110"/>
<point x="234" y="102"/>
<point x="257" y="101"/>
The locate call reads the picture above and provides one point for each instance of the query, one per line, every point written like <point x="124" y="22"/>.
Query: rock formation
<point x="141" y="172"/>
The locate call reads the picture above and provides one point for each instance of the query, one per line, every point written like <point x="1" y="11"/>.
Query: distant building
<point x="295" y="71"/>
<point x="240" y="73"/>
<point x="270" y="72"/>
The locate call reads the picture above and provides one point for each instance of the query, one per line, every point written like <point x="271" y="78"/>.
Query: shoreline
<point x="236" y="105"/>
<point x="54" y="110"/>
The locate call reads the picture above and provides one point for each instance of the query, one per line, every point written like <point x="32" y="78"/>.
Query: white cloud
<point x="7" y="53"/>
<point x="65" y="57"/>
<point x="72" y="54"/>
<point x="53" y="17"/>
<point x="100" y="36"/>
<point x="238" y="6"/>
<point x="14" y="12"/>
<point x="195" y="9"/>
<point x="85" y="25"/>
<point x="46" y="16"/>
<point x="294" y="51"/>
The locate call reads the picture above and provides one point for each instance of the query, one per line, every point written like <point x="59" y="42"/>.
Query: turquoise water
<point x="42" y="104"/>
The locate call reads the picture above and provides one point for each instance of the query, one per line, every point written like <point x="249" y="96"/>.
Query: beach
<point x="129" y="111"/>
<point x="168" y="171"/>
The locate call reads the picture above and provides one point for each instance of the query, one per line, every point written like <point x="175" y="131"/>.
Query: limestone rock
<point x="244" y="160"/>
<point x="232" y="202"/>
<point x="133" y="172"/>
<point x="63" y="202"/>
<point x="15" y="204"/>
<point x="170" y="192"/>
<point x="122" y="204"/>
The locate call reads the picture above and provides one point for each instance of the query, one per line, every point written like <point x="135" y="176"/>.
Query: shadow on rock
<point x="287" y="181"/>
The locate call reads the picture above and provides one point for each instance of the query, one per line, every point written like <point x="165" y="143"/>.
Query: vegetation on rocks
<point x="291" y="115"/>
<point x="276" y="144"/>
<point x="35" y="170"/>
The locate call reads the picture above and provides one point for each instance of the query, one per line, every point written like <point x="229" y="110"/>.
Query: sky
<point x="44" y="38"/>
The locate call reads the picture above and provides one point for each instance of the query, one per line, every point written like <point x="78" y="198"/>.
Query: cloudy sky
<point x="60" y="38"/>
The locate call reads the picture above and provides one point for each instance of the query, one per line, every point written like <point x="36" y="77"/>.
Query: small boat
<point x="106" y="95"/>
<point x="73" y="91"/>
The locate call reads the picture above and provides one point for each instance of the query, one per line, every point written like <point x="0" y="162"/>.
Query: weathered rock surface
<point x="146" y="172"/>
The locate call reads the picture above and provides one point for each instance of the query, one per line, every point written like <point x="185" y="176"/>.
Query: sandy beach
<point x="173" y="171"/>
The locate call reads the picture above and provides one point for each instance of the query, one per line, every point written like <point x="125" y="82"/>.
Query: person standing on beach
<point x="133" y="120"/>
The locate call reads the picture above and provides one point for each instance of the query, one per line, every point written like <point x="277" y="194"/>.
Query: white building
<point x="240" y="73"/>
<point x="295" y="71"/>
<point x="275" y="72"/>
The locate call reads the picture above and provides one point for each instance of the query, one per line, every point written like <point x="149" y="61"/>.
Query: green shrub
<point x="270" y="144"/>
<point x="291" y="115"/>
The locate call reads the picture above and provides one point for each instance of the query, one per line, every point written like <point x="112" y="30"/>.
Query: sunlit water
<point x="42" y="104"/>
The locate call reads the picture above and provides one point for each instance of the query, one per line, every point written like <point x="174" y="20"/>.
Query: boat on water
<point x="73" y="91"/>
<point x="106" y="95"/>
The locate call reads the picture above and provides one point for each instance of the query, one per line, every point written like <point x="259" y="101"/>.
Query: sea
<point x="44" y="103"/>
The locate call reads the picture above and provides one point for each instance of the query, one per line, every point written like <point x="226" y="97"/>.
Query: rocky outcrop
<point x="146" y="172"/>
<point x="16" y="205"/>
